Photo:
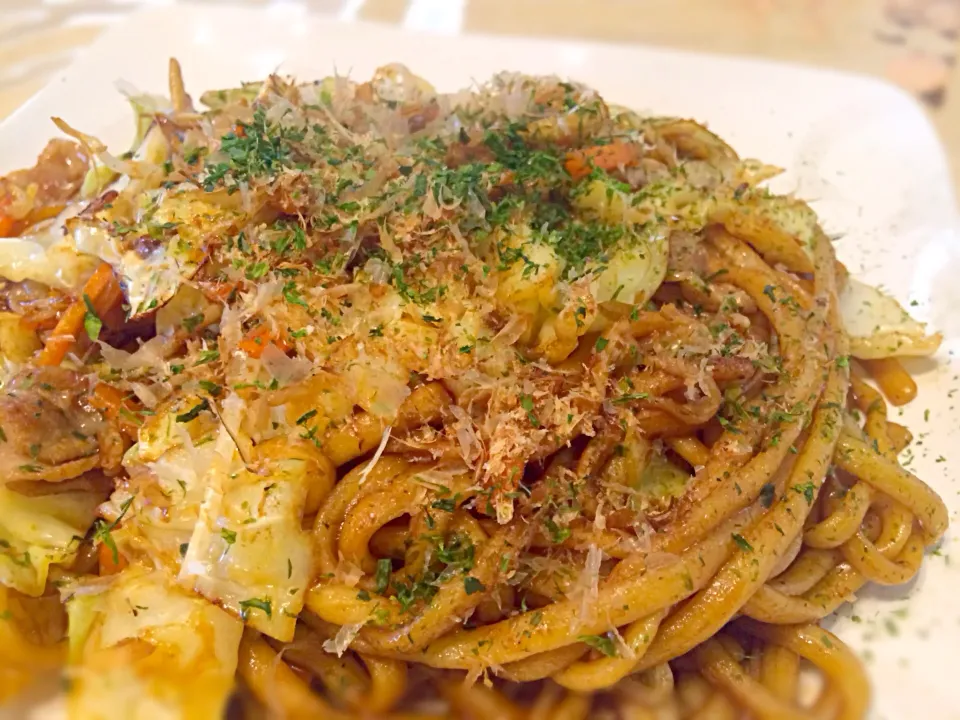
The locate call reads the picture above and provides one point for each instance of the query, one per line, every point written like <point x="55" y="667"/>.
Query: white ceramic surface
<point x="862" y="151"/>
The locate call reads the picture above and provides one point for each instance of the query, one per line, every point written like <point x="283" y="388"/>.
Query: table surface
<point x="913" y="43"/>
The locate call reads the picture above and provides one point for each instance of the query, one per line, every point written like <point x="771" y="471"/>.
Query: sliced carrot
<point x="218" y="291"/>
<point x="580" y="162"/>
<point x="259" y="337"/>
<point x="12" y="227"/>
<point x="107" y="398"/>
<point x="105" y="295"/>
<point x="105" y="559"/>
<point x="117" y="407"/>
<point x="64" y="335"/>
<point x="39" y="321"/>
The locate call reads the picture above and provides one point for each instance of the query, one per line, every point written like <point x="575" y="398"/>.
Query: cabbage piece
<point x="879" y="327"/>
<point x="187" y="302"/>
<point x="145" y="107"/>
<point x="167" y="465"/>
<point x="528" y="271"/>
<point x="32" y="257"/>
<point x="661" y="478"/>
<point x="39" y="531"/>
<point x="607" y="200"/>
<point x="394" y="83"/>
<point x="170" y="250"/>
<point x="145" y="649"/>
<point x="634" y="272"/>
<point x="638" y="264"/>
<point x="249" y="552"/>
<point x="527" y="277"/>
<point x="149" y="143"/>
<point x="377" y="384"/>
<point x="247" y="92"/>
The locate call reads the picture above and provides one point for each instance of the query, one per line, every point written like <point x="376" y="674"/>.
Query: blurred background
<point x="912" y="43"/>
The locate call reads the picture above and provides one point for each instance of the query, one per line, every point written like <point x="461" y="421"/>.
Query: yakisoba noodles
<point x="351" y="399"/>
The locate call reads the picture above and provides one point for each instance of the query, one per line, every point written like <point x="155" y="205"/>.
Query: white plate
<point x="861" y="150"/>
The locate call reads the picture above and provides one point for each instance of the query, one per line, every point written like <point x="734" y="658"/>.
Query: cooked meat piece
<point x="686" y="254"/>
<point x="49" y="432"/>
<point x="33" y="194"/>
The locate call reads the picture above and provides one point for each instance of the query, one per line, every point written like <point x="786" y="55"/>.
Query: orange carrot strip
<point x="63" y="336"/>
<point x="107" y="565"/>
<point x="218" y="291"/>
<point x="258" y="338"/>
<point x="606" y="157"/>
<point x="13" y="227"/>
<point x="105" y="295"/>
<point x="893" y="379"/>
<point x="112" y="402"/>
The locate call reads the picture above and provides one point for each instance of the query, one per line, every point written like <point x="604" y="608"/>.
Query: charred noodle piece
<point x="428" y="387"/>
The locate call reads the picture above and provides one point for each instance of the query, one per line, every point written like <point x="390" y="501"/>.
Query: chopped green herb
<point x="306" y="416"/>
<point x="255" y="603"/>
<point x="445" y="504"/>
<point x="102" y="531"/>
<point x="194" y="412"/>
<point x="210" y="387"/>
<point x="526" y="402"/>
<point x="767" y="493"/>
<point x="742" y="542"/>
<point x="191" y="322"/>
<point x="207" y="357"/>
<point x="91" y="321"/>
<point x="600" y="642"/>
<point x="382" y="578"/>
<point x="808" y="490"/>
<point x="472" y="585"/>
<point x="630" y="397"/>
<point x="557" y="534"/>
<point x="292" y="295"/>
